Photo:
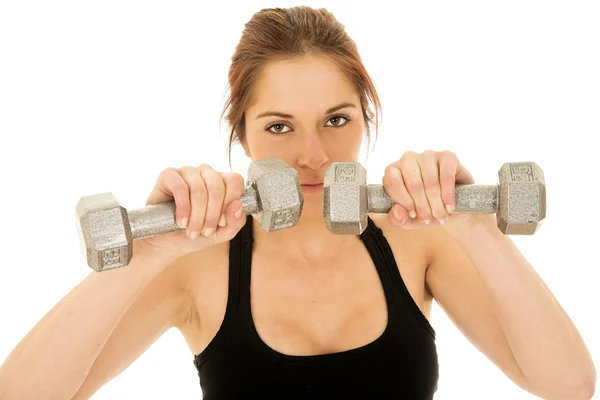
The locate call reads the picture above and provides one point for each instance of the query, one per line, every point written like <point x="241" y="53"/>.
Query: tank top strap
<point x="243" y="262"/>
<point x="373" y="237"/>
<point x="239" y="258"/>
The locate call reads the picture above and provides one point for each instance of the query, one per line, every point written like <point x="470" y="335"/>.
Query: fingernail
<point x="442" y="221"/>
<point x="397" y="215"/>
<point x="183" y="223"/>
<point x="412" y="214"/>
<point x="193" y="235"/>
<point x="449" y="208"/>
<point x="238" y="213"/>
<point x="208" y="231"/>
<point x="426" y="221"/>
<point x="222" y="221"/>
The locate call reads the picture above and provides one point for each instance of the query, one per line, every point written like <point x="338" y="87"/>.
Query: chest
<point x="300" y="310"/>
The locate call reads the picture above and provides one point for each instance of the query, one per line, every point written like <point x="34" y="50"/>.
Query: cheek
<point x="346" y="140"/>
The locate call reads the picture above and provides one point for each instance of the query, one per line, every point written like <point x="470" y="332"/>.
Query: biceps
<point x="156" y="310"/>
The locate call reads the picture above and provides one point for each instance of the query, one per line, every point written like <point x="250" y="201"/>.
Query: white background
<point x="101" y="96"/>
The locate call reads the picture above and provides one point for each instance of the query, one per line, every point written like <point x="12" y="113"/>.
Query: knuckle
<point x="204" y="167"/>
<point x="188" y="170"/>
<point x="170" y="171"/>
<point x="448" y="154"/>
<point x="428" y="154"/>
<point x="388" y="169"/>
<point x="386" y="180"/>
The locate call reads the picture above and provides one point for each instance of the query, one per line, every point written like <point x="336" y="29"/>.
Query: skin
<point x="309" y="141"/>
<point x="314" y="293"/>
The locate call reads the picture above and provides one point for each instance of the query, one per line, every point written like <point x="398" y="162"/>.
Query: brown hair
<point x="285" y="33"/>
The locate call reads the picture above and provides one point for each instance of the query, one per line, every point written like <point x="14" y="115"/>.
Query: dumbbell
<point x="519" y="200"/>
<point x="272" y="194"/>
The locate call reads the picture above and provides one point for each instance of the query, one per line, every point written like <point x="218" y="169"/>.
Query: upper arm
<point x="163" y="304"/>
<point x="460" y="292"/>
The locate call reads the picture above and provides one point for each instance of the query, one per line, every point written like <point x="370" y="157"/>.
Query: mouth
<point x="312" y="188"/>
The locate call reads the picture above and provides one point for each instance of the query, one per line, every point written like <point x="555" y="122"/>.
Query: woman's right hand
<point x="207" y="204"/>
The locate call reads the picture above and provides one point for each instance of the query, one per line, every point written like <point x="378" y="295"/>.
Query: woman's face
<point x="306" y="112"/>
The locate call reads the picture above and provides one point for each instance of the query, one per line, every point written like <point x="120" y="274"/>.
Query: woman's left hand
<point x="422" y="186"/>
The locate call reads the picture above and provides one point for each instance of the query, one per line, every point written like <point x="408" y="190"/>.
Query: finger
<point x="236" y="219"/>
<point x="215" y="196"/>
<point x="396" y="189"/>
<point x="171" y="186"/>
<point x="234" y="188"/>
<point x="411" y="172"/>
<point x="448" y="169"/>
<point x="430" y="175"/>
<point x="198" y="198"/>
<point x="397" y="215"/>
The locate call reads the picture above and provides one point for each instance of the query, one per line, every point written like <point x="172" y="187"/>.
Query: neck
<point x="308" y="242"/>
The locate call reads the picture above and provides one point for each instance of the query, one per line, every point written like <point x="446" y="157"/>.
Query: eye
<point x="278" y="128"/>
<point x="336" y="120"/>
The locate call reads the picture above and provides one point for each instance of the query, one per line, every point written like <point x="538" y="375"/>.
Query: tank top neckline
<point x="382" y="267"/>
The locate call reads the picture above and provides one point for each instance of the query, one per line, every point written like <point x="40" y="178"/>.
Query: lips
<point x="312" y="188"/>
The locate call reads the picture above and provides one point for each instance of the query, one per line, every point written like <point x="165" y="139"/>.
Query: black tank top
<point x="401" y="364"/>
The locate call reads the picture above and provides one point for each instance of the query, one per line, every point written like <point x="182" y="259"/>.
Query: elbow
<point x="582" y="392"/>
<point x="584" y="388"/>
<point x="574" y="389"/>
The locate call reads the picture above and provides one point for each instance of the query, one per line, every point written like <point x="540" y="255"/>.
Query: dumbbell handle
<point x="470" y="199"/>
<point x="158" y="219"/>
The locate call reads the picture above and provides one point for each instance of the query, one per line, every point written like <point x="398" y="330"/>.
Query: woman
<point x="301" y="312"/>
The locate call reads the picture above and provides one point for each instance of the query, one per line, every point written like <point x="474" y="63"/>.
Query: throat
<point x="304" y="246"/>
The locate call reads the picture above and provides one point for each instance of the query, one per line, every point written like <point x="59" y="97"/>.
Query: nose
<point x="312" y="153"/>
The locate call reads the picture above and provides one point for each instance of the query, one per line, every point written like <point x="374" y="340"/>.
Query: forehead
<point x="307" y="84"/>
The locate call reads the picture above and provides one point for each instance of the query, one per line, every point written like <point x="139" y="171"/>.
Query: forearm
<point x="54" y="358"/>
<point x="544" y="341"/>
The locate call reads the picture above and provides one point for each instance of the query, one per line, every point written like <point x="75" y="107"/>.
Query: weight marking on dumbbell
<point x="112" y="256"/>
<point x="345" y="173"/>
<point x="283" y="217"/>
<point x="521" y="173"/>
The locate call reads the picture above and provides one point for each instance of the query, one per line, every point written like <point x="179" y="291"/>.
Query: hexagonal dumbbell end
<point x="104" y="232"/>
<point x="278" y="192"/>
<point x="345" y="198"/>
<point x="521" y="198"/>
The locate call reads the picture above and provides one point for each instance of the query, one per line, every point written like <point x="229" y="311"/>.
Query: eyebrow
<point x="288" y="116"/>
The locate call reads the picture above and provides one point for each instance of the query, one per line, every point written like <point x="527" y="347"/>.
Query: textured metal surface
<point x="280" y="199"/>
<point x="272" y="194"/>
<point x="522" y="198"/>
<point x="102" y="226"/>
<point x="519" y="200"/>
<point x="345" y="198"/>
